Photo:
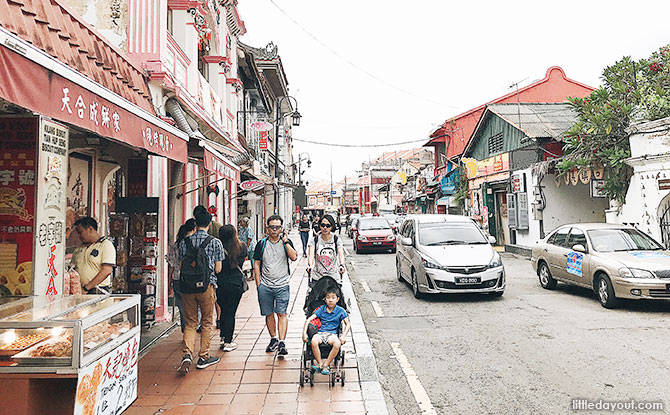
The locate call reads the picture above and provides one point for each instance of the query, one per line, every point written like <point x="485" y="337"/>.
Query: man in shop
<point x="204" y="300"/>
<point x="95" y="259"/>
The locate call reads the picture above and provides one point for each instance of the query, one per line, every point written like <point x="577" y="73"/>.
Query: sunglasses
<point x="325" y="225"/>
<point x="274" y="227"/>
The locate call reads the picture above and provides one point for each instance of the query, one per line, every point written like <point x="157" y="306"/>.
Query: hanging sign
<point x="598" y="188"/>
<point x="585" y="175"/>
<point x="51" y="183"/>
<point x="574" y="177"/>
<point x="262" y="140"/>
<point x="251" y="185"/>
<point x="109" y="385"/>
<point x="517" y="183"/>
<point x="261" y="126"/>
<point x="598" y="172"/>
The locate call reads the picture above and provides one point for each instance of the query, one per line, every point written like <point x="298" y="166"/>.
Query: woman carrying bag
<point x="231" y="283"/>
<point x="326" y="253"/>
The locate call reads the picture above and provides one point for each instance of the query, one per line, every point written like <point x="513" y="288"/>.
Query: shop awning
<point x="215" y="162"/>
<point x="36" y="81"/>
<point x="443" y="201"/>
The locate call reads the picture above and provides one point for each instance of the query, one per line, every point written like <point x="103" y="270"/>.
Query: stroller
<point x="313" y="301"/>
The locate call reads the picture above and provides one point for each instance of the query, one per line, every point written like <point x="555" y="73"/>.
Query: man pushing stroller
<point x="331" y="316"/>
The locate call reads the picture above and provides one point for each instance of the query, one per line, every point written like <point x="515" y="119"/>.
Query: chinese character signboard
<point x="18" y="146"/>
<point x="109" y="385"/>
<point x="215" y="164"/>
<point x="262" y="140"/>
<point x="50" y="216"/>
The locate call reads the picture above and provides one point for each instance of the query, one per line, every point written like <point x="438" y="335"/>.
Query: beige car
<point x="615" y="261"/>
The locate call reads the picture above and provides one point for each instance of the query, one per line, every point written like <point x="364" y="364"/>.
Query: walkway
<point x="249" y="380"/>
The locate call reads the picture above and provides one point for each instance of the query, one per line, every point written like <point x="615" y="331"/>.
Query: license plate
<point x="468" y="280"/>
<point x="376" y="243"/>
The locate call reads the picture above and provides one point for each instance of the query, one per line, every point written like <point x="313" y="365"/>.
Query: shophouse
<point x="513" y="188"/>
<point x="451" y="138"/>
<point x="647" y="204"/>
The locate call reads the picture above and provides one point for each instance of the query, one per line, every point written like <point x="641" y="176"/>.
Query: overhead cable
<point x="422" y="140"/>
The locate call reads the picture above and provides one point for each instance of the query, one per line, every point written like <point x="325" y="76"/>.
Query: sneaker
<point x="185" y="364"/>
<point x="274" y="343"/>
<point x="203" y="363"/>
<point x="282" y="349"/>
<point x="325" y="370"/>
<point x="316" y="368"/>
<point x="229" y="347"/>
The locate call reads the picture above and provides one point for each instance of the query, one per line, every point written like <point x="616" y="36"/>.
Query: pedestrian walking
<point x="315" y="226"/>
<point x="231" y="283"/>
<point x="187" y="229"/>
<point x="326" y="253"/>
<point x="213" y="230"/>
<point x="95" y="259"/>
<point x="339" y="224"/>
<point x="200" y="256"/>
<point x="304" y="228"/>
<point x="273" y="274"/>
<point x="246" y="236"/>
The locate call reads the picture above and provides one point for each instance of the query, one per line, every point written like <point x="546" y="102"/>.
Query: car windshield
<point x="371" y="224"/>
<point x="616" y="240"/>
<point x="450" y="234"/>
<point x="391" y="218"/>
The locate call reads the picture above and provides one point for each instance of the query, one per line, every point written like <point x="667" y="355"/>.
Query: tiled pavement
<point x="247" y="380"/>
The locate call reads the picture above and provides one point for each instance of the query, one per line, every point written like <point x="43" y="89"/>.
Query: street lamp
<point x="295" y="119"/>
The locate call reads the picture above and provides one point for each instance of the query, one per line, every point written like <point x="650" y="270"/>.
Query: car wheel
<point x="415" y="286"/>
<point x="546" y="280"/>
<point x="606" y="292"/>
<point x="398" y="273"/>
<point x="393" y="251"/>
<point x="496" y="294"/>
<point x="356" y="249"/>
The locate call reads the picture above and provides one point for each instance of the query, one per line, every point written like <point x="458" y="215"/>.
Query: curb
<point x="368" y="375"/>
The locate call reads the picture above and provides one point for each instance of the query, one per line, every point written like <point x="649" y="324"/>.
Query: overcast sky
<point x="439" y="57"/>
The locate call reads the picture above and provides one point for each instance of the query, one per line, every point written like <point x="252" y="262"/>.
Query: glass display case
<point x="65" y="333"/>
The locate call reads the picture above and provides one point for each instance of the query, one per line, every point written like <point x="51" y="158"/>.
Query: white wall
<point x="527" y="237"/>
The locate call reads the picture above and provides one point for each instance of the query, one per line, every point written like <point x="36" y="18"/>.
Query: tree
<point x="631" y="91"/>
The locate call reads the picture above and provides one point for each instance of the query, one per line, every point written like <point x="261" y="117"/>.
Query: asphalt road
<point x="531" y="351"/>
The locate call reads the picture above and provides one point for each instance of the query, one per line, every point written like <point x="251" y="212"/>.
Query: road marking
<point x="366" y="287"/>
<point x="353" y="264"/>
<point x="420" y="394"/>
<point x="377" y="308"/>
<point x="346" y="251"/>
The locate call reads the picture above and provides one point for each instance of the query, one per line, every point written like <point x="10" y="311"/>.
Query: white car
<point x="448" y="254"/>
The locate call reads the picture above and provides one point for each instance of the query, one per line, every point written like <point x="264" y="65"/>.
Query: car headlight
<point x="496" y="261"/>
<point x="635" y="273"/>
<point x="362" y="238"/>
<point x="390" y="237"/>
<point x="429" y="264"/>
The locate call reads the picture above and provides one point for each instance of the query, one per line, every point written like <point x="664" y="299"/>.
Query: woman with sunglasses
<point x="326" y="253"/>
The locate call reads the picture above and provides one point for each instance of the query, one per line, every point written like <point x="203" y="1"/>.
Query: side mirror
<point x="492" y="239"/>
<point x="579" y="248"/>
<point x="406" y="241"/>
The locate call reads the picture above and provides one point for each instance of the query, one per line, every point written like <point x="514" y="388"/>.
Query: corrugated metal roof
<point x="537" y="120"/>
<point x="52" y="28"/>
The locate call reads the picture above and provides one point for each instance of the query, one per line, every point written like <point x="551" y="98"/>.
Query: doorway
<point x="501" y="219"/>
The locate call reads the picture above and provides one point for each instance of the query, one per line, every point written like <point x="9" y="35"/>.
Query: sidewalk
<point x="249" y="380"/>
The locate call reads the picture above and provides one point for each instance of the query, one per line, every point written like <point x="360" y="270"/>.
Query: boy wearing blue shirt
<point x="330" y="315"/>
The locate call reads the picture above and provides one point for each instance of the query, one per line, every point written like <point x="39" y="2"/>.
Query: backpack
<point x="262" y="244"/>
<point x="194" y="271"/>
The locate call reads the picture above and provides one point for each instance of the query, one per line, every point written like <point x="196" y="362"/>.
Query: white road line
<point x="377" y="308"/>
<point x="366" y="287"/>
<point x="346" y="251"/>
<point x="420" y="394"/>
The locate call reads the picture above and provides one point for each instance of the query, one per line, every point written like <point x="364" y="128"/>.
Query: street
<point x="530" y="351"/>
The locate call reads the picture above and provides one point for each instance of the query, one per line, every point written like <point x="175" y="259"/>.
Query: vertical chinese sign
<point x="18" y="142"/>
<point x="52" y="156"/>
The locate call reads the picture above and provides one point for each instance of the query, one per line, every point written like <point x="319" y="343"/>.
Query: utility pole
<point x="276" y="184"/>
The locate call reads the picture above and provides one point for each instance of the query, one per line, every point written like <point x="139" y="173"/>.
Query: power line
<point x="360" y="145"/>
<point x="352" y="64"/>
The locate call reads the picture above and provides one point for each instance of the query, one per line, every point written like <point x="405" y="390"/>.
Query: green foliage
<point x="631" y="91"/>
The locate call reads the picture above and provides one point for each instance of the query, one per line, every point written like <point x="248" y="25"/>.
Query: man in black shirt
<point x="304" y="228"/>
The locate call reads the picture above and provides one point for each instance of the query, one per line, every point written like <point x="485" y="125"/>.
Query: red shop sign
<point x="215" y="164"/>
<point x="31" y="86"/>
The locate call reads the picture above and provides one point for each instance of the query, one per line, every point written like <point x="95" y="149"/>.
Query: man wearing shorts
<point x="272" y="272"/>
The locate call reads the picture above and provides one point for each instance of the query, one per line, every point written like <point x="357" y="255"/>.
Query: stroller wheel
<point x="302" y="372"/>
<point x="332" y="378"/>
<point x="311" y="378"/>
<point x="342" y="377"/>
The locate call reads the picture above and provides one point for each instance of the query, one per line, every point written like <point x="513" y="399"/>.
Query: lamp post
<point x="295" y="120"/>
<point x="300" y="159"/>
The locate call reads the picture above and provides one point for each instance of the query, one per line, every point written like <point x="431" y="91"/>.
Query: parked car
<point x="374" y="234"/>
<point x="615" y="261"/>
<point x="448" y="254"/>
<point x="392" y="219"/>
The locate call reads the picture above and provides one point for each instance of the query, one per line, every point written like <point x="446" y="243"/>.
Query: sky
<point x="381" y="72"/>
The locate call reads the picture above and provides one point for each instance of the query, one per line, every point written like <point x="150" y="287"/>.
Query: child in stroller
<point x="323" y="332"/>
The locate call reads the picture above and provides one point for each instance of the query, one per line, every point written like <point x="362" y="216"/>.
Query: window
<point x="202" y="65"/>
<point x="170" y="22"/>
<point x="577" y="237"/>
<point x="560" y="237"/>
<point x="466" y="233"/>
<point x="496" y="144"/>
<point x="618" y="240"/>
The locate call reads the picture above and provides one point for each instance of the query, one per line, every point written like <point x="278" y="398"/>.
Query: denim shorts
<point x="273" y="300"/>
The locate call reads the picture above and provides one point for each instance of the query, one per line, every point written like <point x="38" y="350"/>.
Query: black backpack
<point x="194" y="272"/>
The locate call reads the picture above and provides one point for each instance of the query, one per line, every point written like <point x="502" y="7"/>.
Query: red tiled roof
<point x="51" y="27"/>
